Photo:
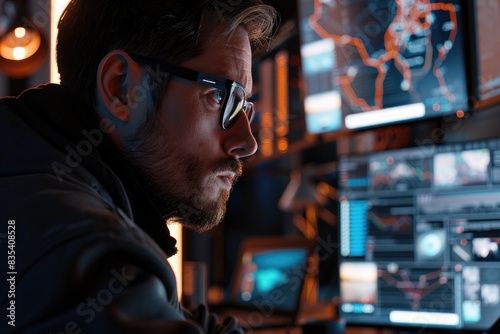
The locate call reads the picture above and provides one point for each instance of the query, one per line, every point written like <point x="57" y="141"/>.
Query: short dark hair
<point x="170" y="30"/>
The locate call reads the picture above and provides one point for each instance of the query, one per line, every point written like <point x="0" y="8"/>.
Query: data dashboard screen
<point x="420" y="236"/>
<point x="371" y="63"/>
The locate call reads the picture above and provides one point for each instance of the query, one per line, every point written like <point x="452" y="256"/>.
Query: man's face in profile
<point x="189" y="161"/>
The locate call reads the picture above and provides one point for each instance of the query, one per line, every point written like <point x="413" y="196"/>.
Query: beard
<point x="193" y="210"/>
<point x="174" y="180"/>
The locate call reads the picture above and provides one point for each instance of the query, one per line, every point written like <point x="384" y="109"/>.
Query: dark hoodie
<point x="90" y="247"/>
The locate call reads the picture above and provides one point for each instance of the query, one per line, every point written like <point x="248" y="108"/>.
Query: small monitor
<point x="268" y="271"/>
<point x="372" y="63"/>
<point x="271" y="269"/>
<point x="420" y="237"/>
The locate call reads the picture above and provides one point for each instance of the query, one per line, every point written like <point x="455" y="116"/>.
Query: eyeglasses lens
<point x="235" y="104"/>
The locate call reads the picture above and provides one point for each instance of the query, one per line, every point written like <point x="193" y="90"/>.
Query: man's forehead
<point x="229" y="57"/>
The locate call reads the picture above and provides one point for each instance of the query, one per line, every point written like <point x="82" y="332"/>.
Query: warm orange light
<point x="282" y="94"/>
<point x="460" y="114"/>
<point x="57" y="7"/>
<point x="20" y="44"/>
<point x="323" y="188"/>
<point x="282" y="145"/>
<point x="176" y="260"/>
<point x="19" y="53"/>
<point x="20" y="32"/>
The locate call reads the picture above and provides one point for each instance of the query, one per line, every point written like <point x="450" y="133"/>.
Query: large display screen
<point x="420" y="236"/>
<point x="371" y="63"/>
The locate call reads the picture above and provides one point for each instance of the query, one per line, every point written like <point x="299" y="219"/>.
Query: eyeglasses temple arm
<point x="184" y="73"/>
<point x="167" y="67"/>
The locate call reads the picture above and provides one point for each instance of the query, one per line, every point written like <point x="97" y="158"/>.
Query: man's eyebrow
<point x="232" y="74"/>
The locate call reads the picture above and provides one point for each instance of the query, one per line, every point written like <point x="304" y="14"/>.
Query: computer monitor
<point x="372" y="63"/>
<point x="486" y="47"/>
<point x="420" y="237"/>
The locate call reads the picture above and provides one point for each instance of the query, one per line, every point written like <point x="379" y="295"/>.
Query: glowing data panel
<point x="389" y="61"/>
<point x="420" y="237"/>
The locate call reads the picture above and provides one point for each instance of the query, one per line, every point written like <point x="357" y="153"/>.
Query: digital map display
<point x="371" y="63"/>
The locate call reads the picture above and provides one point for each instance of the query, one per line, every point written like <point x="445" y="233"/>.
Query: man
<point x="148" y="125"/>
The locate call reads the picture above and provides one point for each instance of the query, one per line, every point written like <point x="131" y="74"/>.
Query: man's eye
<point x="219" y="95"/>
<point x="215" y="98"/>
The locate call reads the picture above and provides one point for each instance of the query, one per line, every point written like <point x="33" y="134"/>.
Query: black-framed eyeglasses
<point x="233" y="95"/>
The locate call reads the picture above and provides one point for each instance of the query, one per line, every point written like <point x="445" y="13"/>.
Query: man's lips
<point x="226" y="179"/>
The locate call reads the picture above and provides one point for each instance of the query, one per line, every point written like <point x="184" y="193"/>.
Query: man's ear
<point x="117" y="75"/>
